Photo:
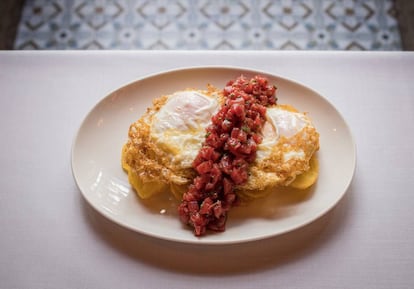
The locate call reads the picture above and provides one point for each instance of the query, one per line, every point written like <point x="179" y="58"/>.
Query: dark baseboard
<point x="405" y="16"/>
<point x="10" y="12"/>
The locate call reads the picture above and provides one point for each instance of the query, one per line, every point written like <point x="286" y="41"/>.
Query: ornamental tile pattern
<point x="220" y="24"/>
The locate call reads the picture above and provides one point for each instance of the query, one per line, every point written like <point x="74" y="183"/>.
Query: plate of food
<point x="213" y="155"/>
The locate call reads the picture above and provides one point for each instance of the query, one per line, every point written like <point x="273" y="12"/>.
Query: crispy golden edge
<point x="144" y="157"/>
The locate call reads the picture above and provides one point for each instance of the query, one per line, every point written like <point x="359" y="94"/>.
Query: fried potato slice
<point x="144" y="190"/>
<point x="308" y="178"/>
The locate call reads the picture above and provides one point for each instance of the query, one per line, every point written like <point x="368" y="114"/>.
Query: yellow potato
<point x="309" y="177"/>
<point x="144" y="190"/>
<point x="248" y="195"/>
<point x="147" y="189"/>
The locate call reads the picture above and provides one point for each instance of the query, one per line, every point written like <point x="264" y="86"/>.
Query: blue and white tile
<point x="224" y="24"/>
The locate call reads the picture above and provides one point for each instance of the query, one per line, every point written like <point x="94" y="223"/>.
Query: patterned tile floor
<point x="224" y="24"/>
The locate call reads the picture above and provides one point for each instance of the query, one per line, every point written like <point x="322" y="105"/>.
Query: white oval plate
<point x="96" y="164"/>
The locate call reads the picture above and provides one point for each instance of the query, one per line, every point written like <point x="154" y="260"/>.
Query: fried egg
<point x="290" y="140"/>
<point x="163" y="143"/>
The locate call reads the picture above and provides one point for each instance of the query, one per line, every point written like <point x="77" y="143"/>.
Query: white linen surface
<point x="51" y="238"/>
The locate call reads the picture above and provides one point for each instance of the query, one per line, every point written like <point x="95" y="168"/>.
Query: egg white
<point x="179" y="126"/>
<point x="282" y="122"/>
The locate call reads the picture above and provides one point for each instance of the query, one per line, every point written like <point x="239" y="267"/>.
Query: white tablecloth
<point x="51" y="238"/>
